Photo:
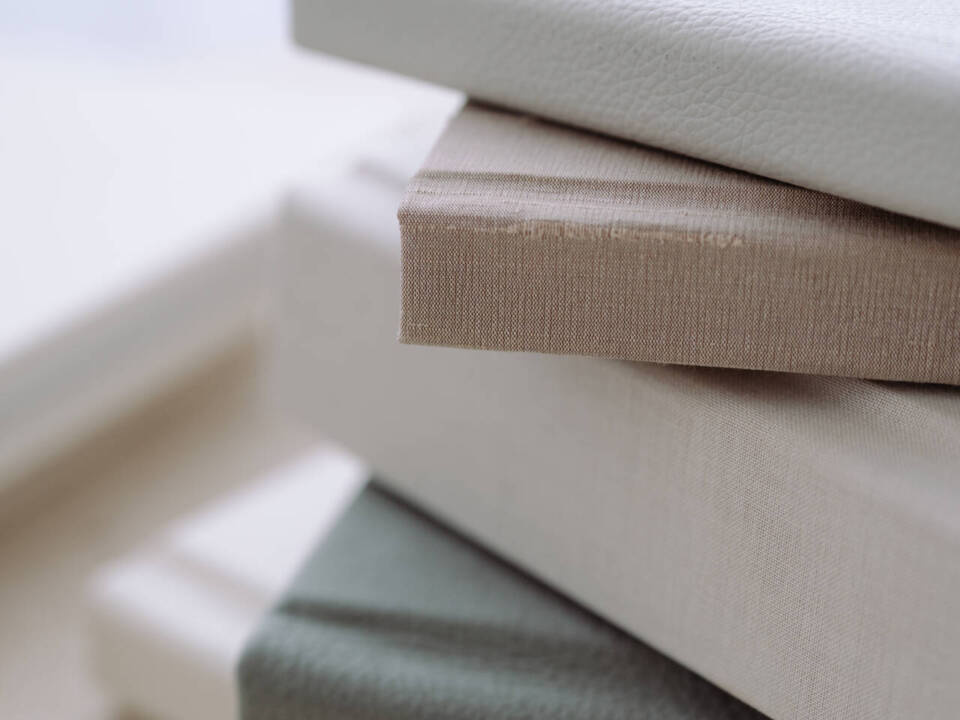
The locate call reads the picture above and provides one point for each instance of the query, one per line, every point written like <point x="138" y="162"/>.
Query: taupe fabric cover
<point x="393" y="617"/>
<point x="794" y="539"/>
<point x="523" y="235"/>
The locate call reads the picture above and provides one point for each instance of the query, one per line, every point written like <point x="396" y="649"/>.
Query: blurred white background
<point x="146" y="147"/>
<point x="129" y="129"/>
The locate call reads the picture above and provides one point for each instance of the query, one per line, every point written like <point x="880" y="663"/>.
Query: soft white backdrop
<point x="130" y="131"/>
<point x="134" y="136"/>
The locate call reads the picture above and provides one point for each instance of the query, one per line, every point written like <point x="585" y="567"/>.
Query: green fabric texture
<point x="394" y="616"/>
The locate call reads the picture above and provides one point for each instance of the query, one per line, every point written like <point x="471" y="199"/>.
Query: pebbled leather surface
<point x="856" y="98"/>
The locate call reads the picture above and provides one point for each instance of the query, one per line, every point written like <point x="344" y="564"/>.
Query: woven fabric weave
<point x="794" y="539"/>
<point x="523" y="235"/>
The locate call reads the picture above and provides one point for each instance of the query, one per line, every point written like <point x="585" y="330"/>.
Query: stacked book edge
<point x="519" y="234"/>
<point x="792" y="538"/>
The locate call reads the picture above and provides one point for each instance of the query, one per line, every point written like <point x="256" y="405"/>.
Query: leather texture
<point x="394" y="616"/>
<point x="858" y="99"/>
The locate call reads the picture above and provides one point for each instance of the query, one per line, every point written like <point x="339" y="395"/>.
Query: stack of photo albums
<point x="693" y="449"/>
